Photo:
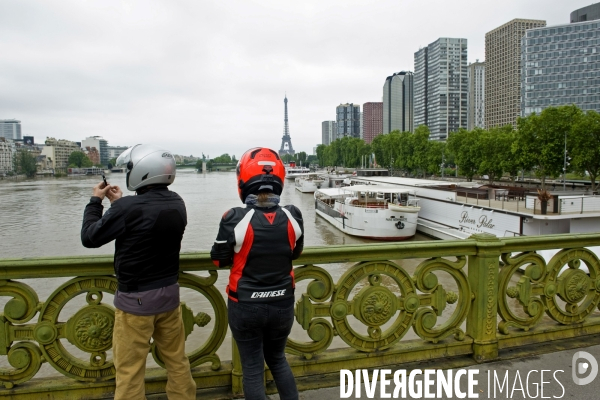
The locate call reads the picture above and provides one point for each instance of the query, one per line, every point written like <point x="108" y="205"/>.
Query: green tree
<point x="286" y="158"/>
<point x="464" y="146"/>
<point x="302" y="157"/>
<point x="403" y="148"/>
<point x="511" y="162"/>
<point x="387" y="148"/>
<point x="222" y="159"/>
<point x="495" y="152"/>
<point x="24" y="163"/>
<point x="435" y="152"/>
<point x="347" y="152"/>
<point x="78" y="159"/>
<point x="584" y="140"/>
<point x="353" y="151"/>
<point x="312" y="159"/>
<point x="419" y="150"/>
<point x="541" y="140"/>
<point x="321" y="149"/>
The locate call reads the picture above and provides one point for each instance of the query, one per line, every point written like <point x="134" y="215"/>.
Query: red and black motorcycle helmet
<point x="259" y="169"/>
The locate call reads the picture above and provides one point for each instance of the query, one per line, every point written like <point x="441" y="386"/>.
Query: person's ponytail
<point x="263" y="197"/>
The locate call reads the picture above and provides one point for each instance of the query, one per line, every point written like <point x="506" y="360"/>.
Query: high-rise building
<point x="372" y="121"/>
<point x="476" y="98"/>
<point x="10" y="129"/>
<point x="398" y="102"/>
<point x="440" y="87"/>
<point x="348" y="120"/>
<point x="588" y="13"/>
<point x="100" y="144"/>
<point x="361" y="126"/>
<point x="503" y="71"/>
<point x="328" y="132"/>
<point x="561" y="66"/>
<point x="420" y="87"/>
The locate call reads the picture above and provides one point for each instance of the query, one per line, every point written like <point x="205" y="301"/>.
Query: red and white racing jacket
<point x="260" y="243"/>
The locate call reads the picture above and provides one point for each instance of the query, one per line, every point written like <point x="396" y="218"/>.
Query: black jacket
<point x="261" y="244"/>
<point x="148" y="229"/>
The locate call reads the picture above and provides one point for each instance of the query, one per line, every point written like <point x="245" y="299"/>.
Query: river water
<point x="42" y="218"/>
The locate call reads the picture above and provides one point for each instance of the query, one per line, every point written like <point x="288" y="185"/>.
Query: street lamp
<point x="443" y="165"/>
<point x="565" y="165"/>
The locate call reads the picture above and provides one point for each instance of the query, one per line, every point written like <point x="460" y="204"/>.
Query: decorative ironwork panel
<point x="561" y="289"/>
<point x="89" y="329"/>
<point x="418" y="300"/>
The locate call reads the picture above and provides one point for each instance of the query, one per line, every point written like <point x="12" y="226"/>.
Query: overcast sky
<point x="210" y="76"/>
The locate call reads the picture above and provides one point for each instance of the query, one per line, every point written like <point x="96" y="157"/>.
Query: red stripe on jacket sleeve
<point x="291" y="236"/>
<point x="292" y="239"/>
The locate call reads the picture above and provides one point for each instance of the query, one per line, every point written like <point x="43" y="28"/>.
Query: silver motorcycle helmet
<point x="147" y="165"/>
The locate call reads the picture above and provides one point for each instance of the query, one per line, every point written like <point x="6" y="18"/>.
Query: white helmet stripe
<point x="272" y="163"/>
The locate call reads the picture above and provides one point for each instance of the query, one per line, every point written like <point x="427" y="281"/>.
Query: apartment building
<point x="476" y="98"/>
<point x="398" y="102"/>
<point x="503" y="71"/>
<point x="561" y="66"/>
<point x="372" y="120"/>
<point x="440" y="87"/>
<point x="57" y="153"/>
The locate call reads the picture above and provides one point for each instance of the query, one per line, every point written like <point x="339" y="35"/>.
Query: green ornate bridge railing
<point x="473" y="297"/>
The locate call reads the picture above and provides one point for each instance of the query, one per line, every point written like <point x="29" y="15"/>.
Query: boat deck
<point x="514" y="200"/>
<point x="517" y="206"/>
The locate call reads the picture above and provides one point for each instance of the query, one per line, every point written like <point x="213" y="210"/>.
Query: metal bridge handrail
<point x="376" y="289"/>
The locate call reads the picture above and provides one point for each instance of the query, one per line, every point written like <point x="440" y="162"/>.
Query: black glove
<point x="221" y="254"/>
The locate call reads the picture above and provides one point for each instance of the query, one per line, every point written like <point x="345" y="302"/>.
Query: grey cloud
<point x="210" y="76"/>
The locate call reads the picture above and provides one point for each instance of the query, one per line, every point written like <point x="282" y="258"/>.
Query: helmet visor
<point x="125" y="157"/>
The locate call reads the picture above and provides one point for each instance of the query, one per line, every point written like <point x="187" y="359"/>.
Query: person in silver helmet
<point x="147" y="229"/>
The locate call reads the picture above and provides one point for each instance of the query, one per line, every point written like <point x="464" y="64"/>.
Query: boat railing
<point x="449" y="302"/>
<point x="529" y="203"/>
<point x="507" y="203"/>
<point x="578" y="204"/>
<point x="361" y="203"/>
<point x="327" y="200"/>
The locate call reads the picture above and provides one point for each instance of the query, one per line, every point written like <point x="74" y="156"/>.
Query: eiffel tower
<point x="286" y="140"/>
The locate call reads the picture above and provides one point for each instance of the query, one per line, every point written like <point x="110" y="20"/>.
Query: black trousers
<point x="261" y="332"/>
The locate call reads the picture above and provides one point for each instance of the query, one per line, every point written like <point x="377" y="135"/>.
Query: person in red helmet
<point x="260" y="241"/>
